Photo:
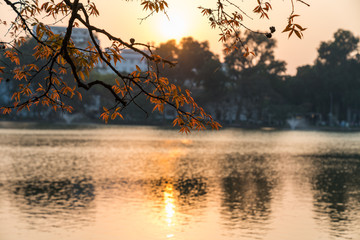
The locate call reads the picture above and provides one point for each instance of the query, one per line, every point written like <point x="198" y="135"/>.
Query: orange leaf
<point x="297" y="33"/>
<point x="79" y="95"/>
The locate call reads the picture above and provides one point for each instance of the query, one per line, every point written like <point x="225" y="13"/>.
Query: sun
<point x="173" y="27"/>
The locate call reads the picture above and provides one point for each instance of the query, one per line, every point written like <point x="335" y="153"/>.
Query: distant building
<point x="80" y="36"/>
<point x="128" y="64"/>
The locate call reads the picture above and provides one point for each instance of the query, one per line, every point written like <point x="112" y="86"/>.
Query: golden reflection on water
<point x="169" y="203"/>
<point x="169" y="206"/>
<point x="186" y="141"/>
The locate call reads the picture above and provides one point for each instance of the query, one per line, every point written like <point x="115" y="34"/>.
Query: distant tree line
<point x="246" y="91"/>
<point x="254" y="90"/>
<point x="330" y="88"/>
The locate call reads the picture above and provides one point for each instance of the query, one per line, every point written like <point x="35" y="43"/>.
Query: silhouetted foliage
<point x="331" y="87"/>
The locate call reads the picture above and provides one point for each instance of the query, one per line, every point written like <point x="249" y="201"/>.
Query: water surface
<point x="147" y="183"/>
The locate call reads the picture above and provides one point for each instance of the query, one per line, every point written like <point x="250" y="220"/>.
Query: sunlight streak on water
<point x="169" y="204"/>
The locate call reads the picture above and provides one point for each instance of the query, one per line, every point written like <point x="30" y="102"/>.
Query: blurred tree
<point x="191" y="58"/>
<point x="189" y="55"/>
<point x="337" y="62"/>
<point x="252" y="78"/>
<point x="212" y="79"/>
<point x="338" y="51"/>
<point x="168" y="50"/>
<point x="331" y="86"/>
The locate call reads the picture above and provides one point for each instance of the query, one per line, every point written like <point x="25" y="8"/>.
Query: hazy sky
<point x="322" y="18"/>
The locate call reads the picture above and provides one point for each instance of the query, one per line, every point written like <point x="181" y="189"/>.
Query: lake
<point x="149" y="183"/>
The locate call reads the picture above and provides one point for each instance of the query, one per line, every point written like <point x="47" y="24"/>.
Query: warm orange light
<point x="169" y="204"/>
<point x="174" y="27"/>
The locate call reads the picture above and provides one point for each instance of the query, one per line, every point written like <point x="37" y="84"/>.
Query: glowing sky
<point x="322" y="18"/>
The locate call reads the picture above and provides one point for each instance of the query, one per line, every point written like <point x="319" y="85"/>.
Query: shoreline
<point x="90" y="125"/>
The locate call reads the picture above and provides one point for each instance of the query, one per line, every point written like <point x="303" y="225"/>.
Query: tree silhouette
<point x="331" y="86"/>
<point x="252" y="77"/>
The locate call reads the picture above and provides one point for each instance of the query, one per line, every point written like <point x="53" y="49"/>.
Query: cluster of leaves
<point x="154" y="6"/>
<point x="262" y="9"/>
<point x="61" y="57"/>
<point x="294" y="28"/>
<point x="228" y="17"/>
<point x="157" y="5"/>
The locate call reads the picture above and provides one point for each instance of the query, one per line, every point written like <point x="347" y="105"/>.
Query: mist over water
<point x="148" y="183"/>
